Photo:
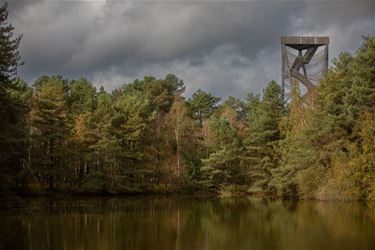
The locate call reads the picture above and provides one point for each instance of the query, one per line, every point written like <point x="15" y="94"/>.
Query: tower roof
<point x="304" y="42"/>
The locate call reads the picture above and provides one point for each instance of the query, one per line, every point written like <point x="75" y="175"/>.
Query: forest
<point x="61" y="135"/>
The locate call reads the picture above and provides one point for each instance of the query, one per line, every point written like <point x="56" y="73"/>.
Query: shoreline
<point x="17" y="201"/>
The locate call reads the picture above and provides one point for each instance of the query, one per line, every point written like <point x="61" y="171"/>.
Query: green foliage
<point x="160" y="92"/>
<point x="263" y="137"/>
<point x="10" y="57"/>
<point x="131" y="113"/>
<point x="14" y="96"/>
<point x="193" y="168"/>
<point x="82" y="96"/>
<point x="223" y="163"/>
<point x="49" y="119"/>
<point x="13" y="131"/>
<point x="202" y="105"/>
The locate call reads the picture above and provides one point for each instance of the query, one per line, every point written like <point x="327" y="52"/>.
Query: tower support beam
<point x="304" y="53"/>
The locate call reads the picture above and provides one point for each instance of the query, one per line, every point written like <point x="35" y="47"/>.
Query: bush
<point x="342" y="183"/>
<point x="309" y="180"/>
<point x="94" y="182"/>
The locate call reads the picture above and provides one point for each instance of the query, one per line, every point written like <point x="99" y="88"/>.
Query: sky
<point x="229" y="48"/>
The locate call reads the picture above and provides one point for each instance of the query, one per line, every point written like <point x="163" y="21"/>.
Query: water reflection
<point x="188" y="223"/>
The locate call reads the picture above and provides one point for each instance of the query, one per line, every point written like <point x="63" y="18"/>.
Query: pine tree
<point x="10" y="57"/>
<point x="13" y="107"/>
<point x="263" y="137"/>
<point x="102" y="142"/>
<point x="202" y="105"/>
<point x="222" y="167"/>
<point x="50" y="128"/>
<point x="81" y="106"/>
<point x="128" y="127"/>
<point x="14" y="134"/>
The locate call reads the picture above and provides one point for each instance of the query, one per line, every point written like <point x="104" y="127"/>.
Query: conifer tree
<point x="13" y="107"/>
<point x="222" y="167"/>
<point x="128" y="128"/>
<point x="50" y="128"/>
<point x="202" y="105"/>
<point x="263" y="137"/>
<point x="81" y="103"/>
<point x="10" y="57"/>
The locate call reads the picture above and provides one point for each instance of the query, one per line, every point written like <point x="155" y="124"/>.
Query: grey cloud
<point x="318" y="15"/>
<point x="228" y="48"/>
<point x="221" y="72"/>
<point x="164" y="31"/>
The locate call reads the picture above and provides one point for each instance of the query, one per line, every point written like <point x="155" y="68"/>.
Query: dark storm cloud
<point x="161" y="32"/>
<point x="229" y="48"/>
<point x="17" y="5"/>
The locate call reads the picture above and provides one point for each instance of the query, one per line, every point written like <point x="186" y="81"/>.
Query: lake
<point x="187" y="223"/>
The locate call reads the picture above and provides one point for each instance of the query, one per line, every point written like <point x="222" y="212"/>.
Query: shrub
<point x="94" y="182"/>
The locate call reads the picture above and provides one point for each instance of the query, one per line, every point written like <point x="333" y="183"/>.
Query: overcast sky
<point x="225" y="47"/>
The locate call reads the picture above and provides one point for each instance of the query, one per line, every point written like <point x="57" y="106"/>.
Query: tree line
<point x="58" y="134"/>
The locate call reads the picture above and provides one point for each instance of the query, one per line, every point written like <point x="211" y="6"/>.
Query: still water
<point x="187" y="223"/>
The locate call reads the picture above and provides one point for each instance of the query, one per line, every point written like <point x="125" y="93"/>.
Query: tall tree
<point x="50" y="128"/>
<point x="128" y="126"/>
<point x="12" y="106"/>
<point x="178" y="132"/>
<point x="102" y="143"/>
<point x="263" y="136"/>
<point x="81" y="103"/>
<point x="160" y="94"/>
<point x="14" y="134"/>
<point x="222" y="167"/>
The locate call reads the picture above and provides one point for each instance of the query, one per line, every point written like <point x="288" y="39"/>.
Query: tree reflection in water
<point x="188" y="223"/>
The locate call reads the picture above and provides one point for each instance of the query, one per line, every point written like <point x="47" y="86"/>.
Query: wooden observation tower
<point x="304" y="62"/>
